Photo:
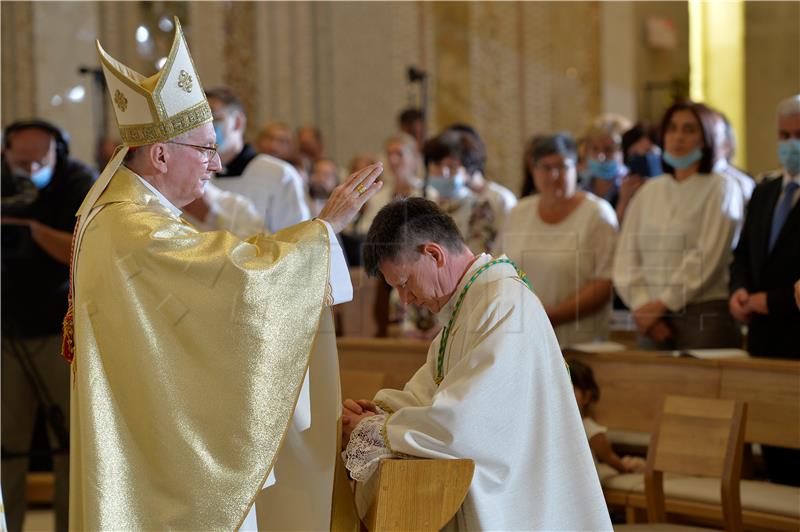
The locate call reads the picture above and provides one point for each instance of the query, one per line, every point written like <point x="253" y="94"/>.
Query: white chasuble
<point x="506" y="402"/>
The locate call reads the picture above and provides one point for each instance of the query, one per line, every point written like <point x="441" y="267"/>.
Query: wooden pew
<point x="396" y="359"/>
<point x="633" y="382"/>
<point x="631" y="385"/>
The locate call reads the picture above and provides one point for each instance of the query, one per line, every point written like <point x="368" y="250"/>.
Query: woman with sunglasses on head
<point x="671" y="265"/>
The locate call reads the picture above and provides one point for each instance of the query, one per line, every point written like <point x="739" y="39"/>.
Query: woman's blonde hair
<point x="405" y="139"/>
<point x="609" y="124"/>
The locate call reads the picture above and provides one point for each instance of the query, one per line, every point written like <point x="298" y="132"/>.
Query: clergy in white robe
<point x="275" y="188"/>
<point x="494" y="389"/>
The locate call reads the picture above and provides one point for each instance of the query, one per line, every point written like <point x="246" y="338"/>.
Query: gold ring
<point x="361" y="189"/>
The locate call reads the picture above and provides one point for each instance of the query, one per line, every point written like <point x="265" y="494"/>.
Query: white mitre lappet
<point x="154" y="109"/>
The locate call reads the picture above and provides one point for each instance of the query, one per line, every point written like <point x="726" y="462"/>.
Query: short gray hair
<point x="789" y="106"/>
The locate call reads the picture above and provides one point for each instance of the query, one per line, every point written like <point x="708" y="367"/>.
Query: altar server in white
<point x="494" y="389"/>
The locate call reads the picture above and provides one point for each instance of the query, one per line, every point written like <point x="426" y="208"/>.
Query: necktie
<point x="781" y="213"/>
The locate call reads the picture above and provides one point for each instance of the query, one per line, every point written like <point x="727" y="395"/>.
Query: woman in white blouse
<point x="671" y="266"/>
<point x="563" y="238"/>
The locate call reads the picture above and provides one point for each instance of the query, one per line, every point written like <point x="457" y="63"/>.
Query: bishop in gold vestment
<point x="190" y="349"/>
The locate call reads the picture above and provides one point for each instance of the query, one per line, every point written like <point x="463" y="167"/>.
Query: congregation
<point x="699" y="255"/>
<point x="648" y="221"/>
<point x="400" y="266"/>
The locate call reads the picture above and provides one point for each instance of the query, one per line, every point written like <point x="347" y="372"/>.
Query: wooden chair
<point x="699" y="437"/>
<point x="418" y="494"/>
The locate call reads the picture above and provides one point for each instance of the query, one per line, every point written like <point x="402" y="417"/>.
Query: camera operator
<point x="42" y="189"/>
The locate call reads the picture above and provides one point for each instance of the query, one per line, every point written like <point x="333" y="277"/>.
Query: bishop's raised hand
<point x="348" y="198"/>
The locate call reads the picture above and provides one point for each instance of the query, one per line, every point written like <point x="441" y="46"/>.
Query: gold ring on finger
<point x="361" y="189"/>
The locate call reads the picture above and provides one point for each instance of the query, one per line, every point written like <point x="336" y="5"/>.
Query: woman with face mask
<point x="450" y="158"/>
<point x="605" y="166"/>
<point x="564" y="238"/>
<point x="643" y="159"/>
<point x="671" y="264"/>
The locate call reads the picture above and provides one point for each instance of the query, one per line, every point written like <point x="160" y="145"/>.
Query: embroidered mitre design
<point x="160" y="107"/>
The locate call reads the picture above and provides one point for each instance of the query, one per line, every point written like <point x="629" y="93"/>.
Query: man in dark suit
<point x="766" y="266"/>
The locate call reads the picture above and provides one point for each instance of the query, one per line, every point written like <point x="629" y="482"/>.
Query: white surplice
<point x="507" y="403"/>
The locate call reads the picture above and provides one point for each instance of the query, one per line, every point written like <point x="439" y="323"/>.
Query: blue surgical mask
<point x="220" y="135"/>
<point x="789" y="154"/>
<point x="42" y="177"/>
<point x="447" y="187"/>
<point x="682" y="163"/>
<point x="647" y="165"/>
<point x="608" y="169"/>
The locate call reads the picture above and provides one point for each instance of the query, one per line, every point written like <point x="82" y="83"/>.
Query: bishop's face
<point x="190" y="167"/>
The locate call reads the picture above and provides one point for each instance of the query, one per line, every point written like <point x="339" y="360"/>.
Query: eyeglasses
<point x="210" y="150"/>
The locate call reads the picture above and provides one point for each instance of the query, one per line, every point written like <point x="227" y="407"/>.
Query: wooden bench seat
<point x="765" y="506"/>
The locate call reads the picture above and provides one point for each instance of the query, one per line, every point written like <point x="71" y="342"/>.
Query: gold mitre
<point x="160" y="107"/>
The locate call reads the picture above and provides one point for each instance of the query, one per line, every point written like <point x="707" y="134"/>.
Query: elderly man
<point x="494" y="388"/>
<point x="42" y="188"/>
<point x="203" y="365"/>
<point x="322" y="181"/>
<point x="766" y="264"/>
<point x="275" y="139"/>
<point x="309" y="146"/>
<point x="725" y="151"/>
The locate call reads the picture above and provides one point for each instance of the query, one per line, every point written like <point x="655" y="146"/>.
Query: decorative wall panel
<point x="19" y="80"/>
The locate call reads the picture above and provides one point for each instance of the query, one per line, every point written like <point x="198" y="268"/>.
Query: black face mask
<point x="647" y="165"/>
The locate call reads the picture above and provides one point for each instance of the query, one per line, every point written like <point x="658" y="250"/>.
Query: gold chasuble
<point x="190" y="353"/>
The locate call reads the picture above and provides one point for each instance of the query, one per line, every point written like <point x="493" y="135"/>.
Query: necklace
<point x="454" y="314"/>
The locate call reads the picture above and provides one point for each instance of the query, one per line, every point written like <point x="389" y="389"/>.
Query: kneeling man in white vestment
<point x="494" y="388"/>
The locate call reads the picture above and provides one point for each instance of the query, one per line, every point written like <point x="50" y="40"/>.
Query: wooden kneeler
<point x="418" y="494"/>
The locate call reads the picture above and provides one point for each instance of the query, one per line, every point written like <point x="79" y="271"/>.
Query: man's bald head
<point x="275" y="139"/>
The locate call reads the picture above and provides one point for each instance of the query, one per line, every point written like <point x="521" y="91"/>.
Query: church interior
<point x="638" y="161"/>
